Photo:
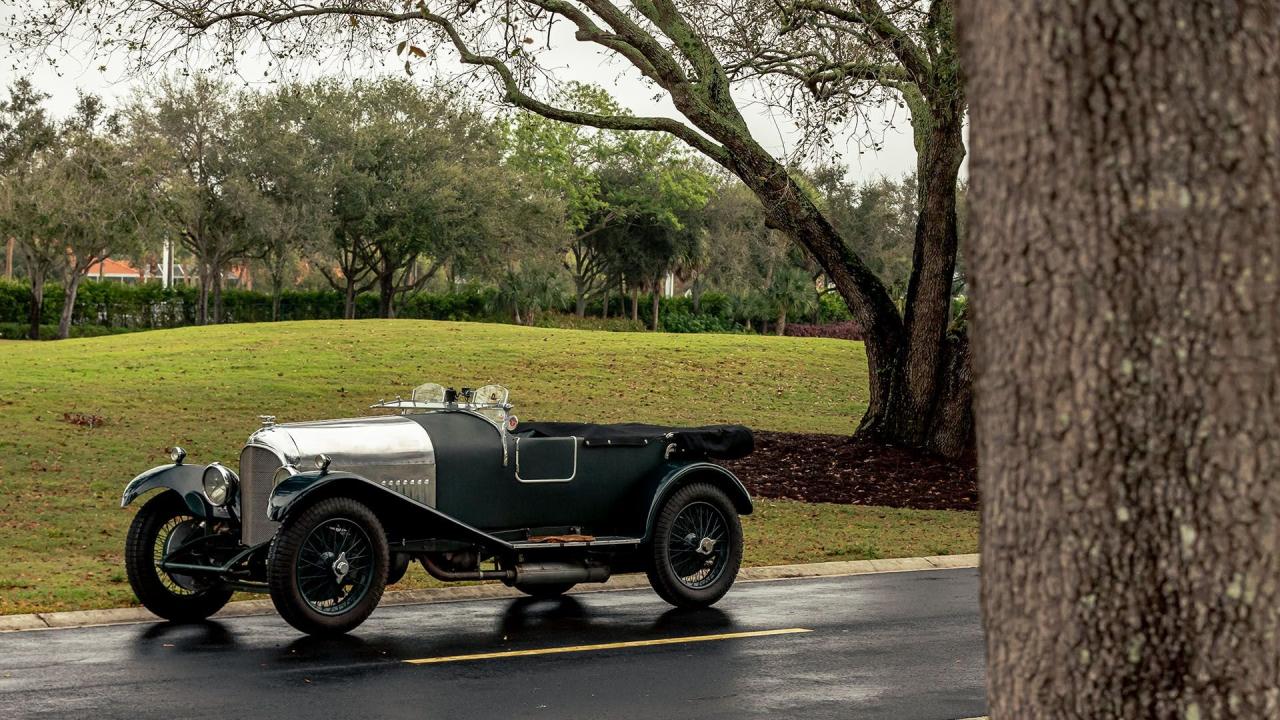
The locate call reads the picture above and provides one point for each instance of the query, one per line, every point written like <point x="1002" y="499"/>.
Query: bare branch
<point x="870" y="14"/>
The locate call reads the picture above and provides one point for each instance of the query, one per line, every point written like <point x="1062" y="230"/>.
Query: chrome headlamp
<point x="176" y="454"/>
<point x="283" y="474"/>
<point x="219" y="484"/>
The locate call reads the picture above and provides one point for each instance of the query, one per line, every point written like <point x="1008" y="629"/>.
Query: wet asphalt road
<point x="901" y="645"/>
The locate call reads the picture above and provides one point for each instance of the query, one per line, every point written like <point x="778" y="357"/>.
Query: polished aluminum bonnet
<point x="393" y="451"/>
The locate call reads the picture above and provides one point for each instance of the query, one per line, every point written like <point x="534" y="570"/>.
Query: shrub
<point x="716" y="303"/>
<point x="848" y="330"/>
<point x="686" y="322"/>
<point x="833" y="309"/>
<point x="567" y="321"/>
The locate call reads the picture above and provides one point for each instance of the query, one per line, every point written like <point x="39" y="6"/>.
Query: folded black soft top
<point x="722" y="442"/>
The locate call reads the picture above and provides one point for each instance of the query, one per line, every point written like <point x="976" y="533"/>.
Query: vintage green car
<point x="323" y="515"/>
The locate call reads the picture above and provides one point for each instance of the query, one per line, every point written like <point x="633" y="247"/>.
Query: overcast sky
<point x="571" y="60"/>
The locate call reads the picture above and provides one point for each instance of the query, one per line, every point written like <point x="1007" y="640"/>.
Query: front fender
<point x="679" y="475"/>
<point x="186" y="480"/>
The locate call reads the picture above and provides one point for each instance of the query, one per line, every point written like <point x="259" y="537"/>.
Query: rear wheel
<point x="696" y="548"/>
<point x="162" y="525"/>
<point x="544" y="591"/>
<point x="328" y="566"/>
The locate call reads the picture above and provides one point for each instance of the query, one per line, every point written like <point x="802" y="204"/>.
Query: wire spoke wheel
<point x="697" y="546"/>
<point x="328" y="566"/>
<point x="175" y="533"/>
<point x="164" y="528"/>
<point x="699" y="553"/>
<point x="334" y="567"/>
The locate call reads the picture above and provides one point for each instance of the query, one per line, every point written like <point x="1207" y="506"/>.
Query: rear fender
<point x="186" y="480"/>
<point x="710" y="473"/>
<point x="401" y="514"/>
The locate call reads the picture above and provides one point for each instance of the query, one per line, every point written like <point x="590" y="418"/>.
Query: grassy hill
<point x="203" y="388"/>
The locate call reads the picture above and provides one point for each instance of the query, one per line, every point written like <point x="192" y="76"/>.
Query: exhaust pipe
<point x="433" y="568"/>
<point x="555" y="573"/>
<point x="527" y="573"/>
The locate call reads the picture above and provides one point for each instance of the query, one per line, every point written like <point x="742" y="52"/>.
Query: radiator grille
<point x="257" y="467"/>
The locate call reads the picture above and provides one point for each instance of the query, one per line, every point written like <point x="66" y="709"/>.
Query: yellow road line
<point x="607" y="646"/>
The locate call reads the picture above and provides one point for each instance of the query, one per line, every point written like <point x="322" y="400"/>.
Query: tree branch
<point x="870" y="14"/>
<point x="653" y="55"/>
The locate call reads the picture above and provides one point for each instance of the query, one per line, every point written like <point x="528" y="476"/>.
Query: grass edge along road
<point x="81" y="417"/>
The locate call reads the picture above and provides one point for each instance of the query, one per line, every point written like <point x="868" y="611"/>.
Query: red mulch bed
<point x="839" y="469"/>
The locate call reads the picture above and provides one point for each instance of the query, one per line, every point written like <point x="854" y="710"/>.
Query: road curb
<point x="246" y="608"/>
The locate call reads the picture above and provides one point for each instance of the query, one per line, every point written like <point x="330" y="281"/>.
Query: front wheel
<point x="696" y="547"/>
<point x="328" y="566"/>
<point x="161" y="526"/>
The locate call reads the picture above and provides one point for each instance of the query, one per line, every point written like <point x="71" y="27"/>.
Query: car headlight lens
<point x="176" y="454"/>
<point x="283" y="474"/>
<point x="217" y="484"/>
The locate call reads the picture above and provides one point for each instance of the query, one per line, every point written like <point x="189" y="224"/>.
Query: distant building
<point x="118" y="271"/>
<point x="125" y="272"/>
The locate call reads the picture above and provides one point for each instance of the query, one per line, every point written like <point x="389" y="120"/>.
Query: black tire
<point x="684" y="570"/>
<point x="179" y="598"/>
<point x="398" y="566"/>
<point x="303" y="566"/>
<point x="544" y="591"/>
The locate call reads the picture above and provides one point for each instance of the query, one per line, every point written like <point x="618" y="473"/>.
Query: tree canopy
<point x="826" y="63"/>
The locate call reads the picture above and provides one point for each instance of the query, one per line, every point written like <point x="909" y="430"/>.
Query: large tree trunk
<point x="782" y="322"/>
<point x="68" y="304"/>
<point x="921" y="394"/>
<point x="908" y="362"/>
<point x="635" y="304"/>
<point x="37" y="305"/>
<point x="1125" y="234"/>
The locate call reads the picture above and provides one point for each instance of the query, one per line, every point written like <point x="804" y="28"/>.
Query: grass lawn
<point x="62" y="530"/>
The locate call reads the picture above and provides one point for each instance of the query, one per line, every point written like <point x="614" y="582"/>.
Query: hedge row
<point x="117" y="306"/>
<point x="149" y="305"/>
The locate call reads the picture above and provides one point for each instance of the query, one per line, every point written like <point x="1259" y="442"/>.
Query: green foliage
<point x="877" y="220"/>
<point x="631" y="201"/>
<point x="120" y="306"/>
<point x="685" y="322"/>
<point x="833" y="308"/>
<point x="565" y="321"/>
<point x="18" y="331"/>
<point x="15" y="301"/>
<point x="387" y="187"/>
